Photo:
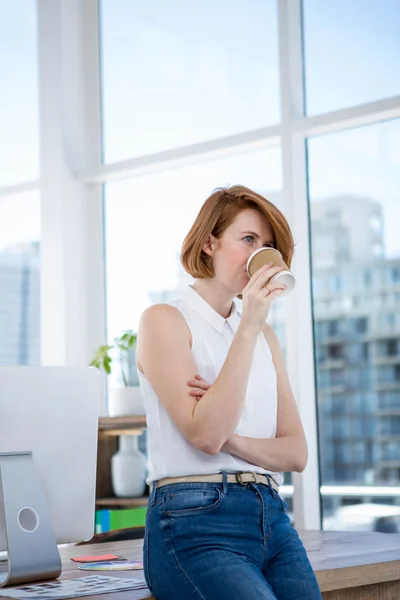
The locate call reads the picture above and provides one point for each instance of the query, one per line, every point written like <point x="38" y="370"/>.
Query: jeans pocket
<point x="191" y="501"/>
<point x="146" y="561"/>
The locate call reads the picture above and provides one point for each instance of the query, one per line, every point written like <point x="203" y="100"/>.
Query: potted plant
<point x="125" y="400"/>
<point x="128" y="464"/>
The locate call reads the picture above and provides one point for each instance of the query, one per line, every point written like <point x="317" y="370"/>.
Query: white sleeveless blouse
<point x="170" y="453"/>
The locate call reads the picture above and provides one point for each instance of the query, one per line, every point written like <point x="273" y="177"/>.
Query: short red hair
<point x="217" y="214"/>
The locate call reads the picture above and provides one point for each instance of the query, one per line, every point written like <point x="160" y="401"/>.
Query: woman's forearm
<point x="218" y="412"/>
<point x="281" y="454"/>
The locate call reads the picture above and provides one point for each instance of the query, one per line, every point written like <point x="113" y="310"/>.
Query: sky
<point x="178" y="72"/>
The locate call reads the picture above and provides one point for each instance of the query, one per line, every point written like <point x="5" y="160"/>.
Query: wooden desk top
<point x="341" y="560"/>
<point x="132" y="550"/>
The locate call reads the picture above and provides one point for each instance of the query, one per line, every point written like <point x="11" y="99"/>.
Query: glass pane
<point x="176" y="73"/>
<point x="19" y="279"/>
<point x="354" y="193"/>
<point x="18" y="92"/>
<point x="352" y="52"/>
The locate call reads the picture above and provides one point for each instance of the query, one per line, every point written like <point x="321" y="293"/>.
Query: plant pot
<point x="126" y="401"/>
<point x="128" y="468"/>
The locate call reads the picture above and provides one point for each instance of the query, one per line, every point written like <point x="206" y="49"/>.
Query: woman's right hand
<point x="258" y="295"/>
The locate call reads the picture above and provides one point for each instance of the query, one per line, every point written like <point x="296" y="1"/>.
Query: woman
<point x="223" y="423"/>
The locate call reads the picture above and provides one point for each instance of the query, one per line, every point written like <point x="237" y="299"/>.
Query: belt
<point x="243" y="477"/>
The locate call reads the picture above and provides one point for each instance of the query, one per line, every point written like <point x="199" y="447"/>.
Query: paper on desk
<point x="94" y="558"/>
<point x="73" y="588"/>
<point x="128" y="565"/>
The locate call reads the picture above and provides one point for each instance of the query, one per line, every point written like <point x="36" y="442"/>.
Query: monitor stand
<point x="31" y="544"/>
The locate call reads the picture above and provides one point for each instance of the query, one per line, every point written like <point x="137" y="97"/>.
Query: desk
<point x="348" y="566"/>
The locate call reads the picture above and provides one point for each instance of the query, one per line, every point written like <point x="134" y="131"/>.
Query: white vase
<point x="128" y="468"/>
<point x="126" y="401"/>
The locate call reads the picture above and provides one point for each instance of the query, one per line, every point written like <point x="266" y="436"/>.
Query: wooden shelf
<point x="116" y="423"/>
<point x="109" y="430"/>
<point x="107" y="433"/>
<point x="125" y="502"/>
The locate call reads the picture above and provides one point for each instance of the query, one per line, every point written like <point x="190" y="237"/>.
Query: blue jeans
<point x="224" y="541"/>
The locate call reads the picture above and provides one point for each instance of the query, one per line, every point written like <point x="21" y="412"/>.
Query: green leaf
<point x="124" y="343"/>
<point x="104" y="349"/>
<point x="107" y="368"/>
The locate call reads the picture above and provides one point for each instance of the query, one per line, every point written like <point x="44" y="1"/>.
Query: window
<point x="365" y="402"/>
<point x="387" y="322"/>
<point x="352" y="50"/>
<point x="341" y="427"/>
<point x="361" y="325"/>
<point x="19" y="212"/>
<point x="391" y="451"/>
<point x="19" y="279"/>
<point x="339" y="403"/>
<point x="395" y="274"/>
<point x="337" y="377"/>
<point x="390" y="426"/>
<point x="342" y="453"/>
<point x="356" y="353"/>
<point x="335" y="352"/>
<point x="19" y="160"/>
<point x="177" y="73"/>
<point x="349" y="173"/>
<point x="333" y="328"/>
<point x="367" y="278"/>
<point x="364" y="428"/>
<point x="388" y="400"/>
<point x="392" y="347"/>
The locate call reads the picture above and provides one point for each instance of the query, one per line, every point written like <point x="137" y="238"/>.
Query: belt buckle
<point x="239" y="477"/>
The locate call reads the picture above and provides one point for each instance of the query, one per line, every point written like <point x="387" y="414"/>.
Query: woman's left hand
<point x="198" y="386"/>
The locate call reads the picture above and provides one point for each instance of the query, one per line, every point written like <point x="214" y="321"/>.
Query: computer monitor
<point x="48" y="496"/>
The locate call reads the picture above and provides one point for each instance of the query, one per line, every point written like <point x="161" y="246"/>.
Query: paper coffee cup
<point x="270" y="255"/>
